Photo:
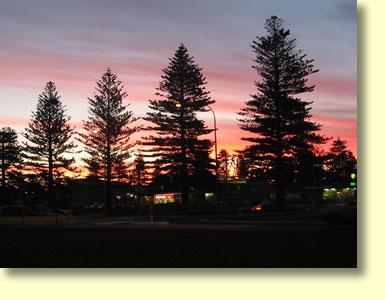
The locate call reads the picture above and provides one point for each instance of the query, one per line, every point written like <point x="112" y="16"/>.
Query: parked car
<point x="17" y="210"/>
<point x="43" y="210"/>
<point x="270" y="207"/>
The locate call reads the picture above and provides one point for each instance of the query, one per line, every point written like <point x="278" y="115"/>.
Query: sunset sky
<point x="73" y="42"/>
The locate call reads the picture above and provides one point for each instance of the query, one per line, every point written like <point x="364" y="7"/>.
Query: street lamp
<point x="179" y="105"/>
<point x="215" y="141"/>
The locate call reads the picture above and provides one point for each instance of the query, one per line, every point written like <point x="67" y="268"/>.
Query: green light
<point x="353" y="183"/>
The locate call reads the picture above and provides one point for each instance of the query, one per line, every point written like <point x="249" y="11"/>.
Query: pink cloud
<point x="351" y="123"/>
<point x="13" y="122"/>
<point x="335" y="85"/>
<point x="76" y="75"/>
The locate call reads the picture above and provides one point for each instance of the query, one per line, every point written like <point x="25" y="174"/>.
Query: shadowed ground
<point x="173" y="245"/>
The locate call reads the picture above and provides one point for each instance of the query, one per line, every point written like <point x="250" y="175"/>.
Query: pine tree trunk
<point x="280" y="198"/>
<point x="184" y="186"/>
<point x="280" y="182"/>
<point x="138" y="184"/>
<point x="108" y="180"/>
<point x="108" y="158"/>
<point x="108" y="190"/>
<point x="184" y="167"/>
<point x="184" y="174"/>
<point x="51" y="201"/>
<point x="108" y="195"/>
<point x="280" y="172"/>
<point x="3" y="188"/>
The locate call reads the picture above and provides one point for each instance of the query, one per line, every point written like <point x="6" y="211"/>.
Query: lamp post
<point x="215" y="141"/>
<point x="179" y="105"/>
<point x="216" y="162"/>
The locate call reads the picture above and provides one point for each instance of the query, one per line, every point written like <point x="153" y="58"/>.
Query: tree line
<point x="283" y="149"/>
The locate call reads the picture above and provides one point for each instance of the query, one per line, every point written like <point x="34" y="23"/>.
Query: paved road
<point x="175" y="221"/>
<point x="224" y="246"/>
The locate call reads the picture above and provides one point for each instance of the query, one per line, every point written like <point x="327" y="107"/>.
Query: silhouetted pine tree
<point x="177" y="144"/>
<point x="10" y="156"/>
<point x="340" y="163"/>
<point x="223" y="161"/>
<point x="139" y="169"/>
<point x="140" y="174"/>
<point x="48" y="138"/>
<point x="107" y="132"/>
<point x="241" y="169"/>
<point x="279" y="121"/>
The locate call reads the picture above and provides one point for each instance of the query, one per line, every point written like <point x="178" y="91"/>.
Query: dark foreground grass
<point x="122" y="247"/>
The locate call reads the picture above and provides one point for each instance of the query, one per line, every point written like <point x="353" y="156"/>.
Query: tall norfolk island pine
<point x="9" y="156"/>
<point x="48" y="137"/>
<point x="279" y="121"/>
<point x="107" y="134"/>
<point x="177" y="144"/>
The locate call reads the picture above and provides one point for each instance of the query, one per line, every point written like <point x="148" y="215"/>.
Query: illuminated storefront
<point x="167" y="198"/>
<point x="339" y="194"/>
